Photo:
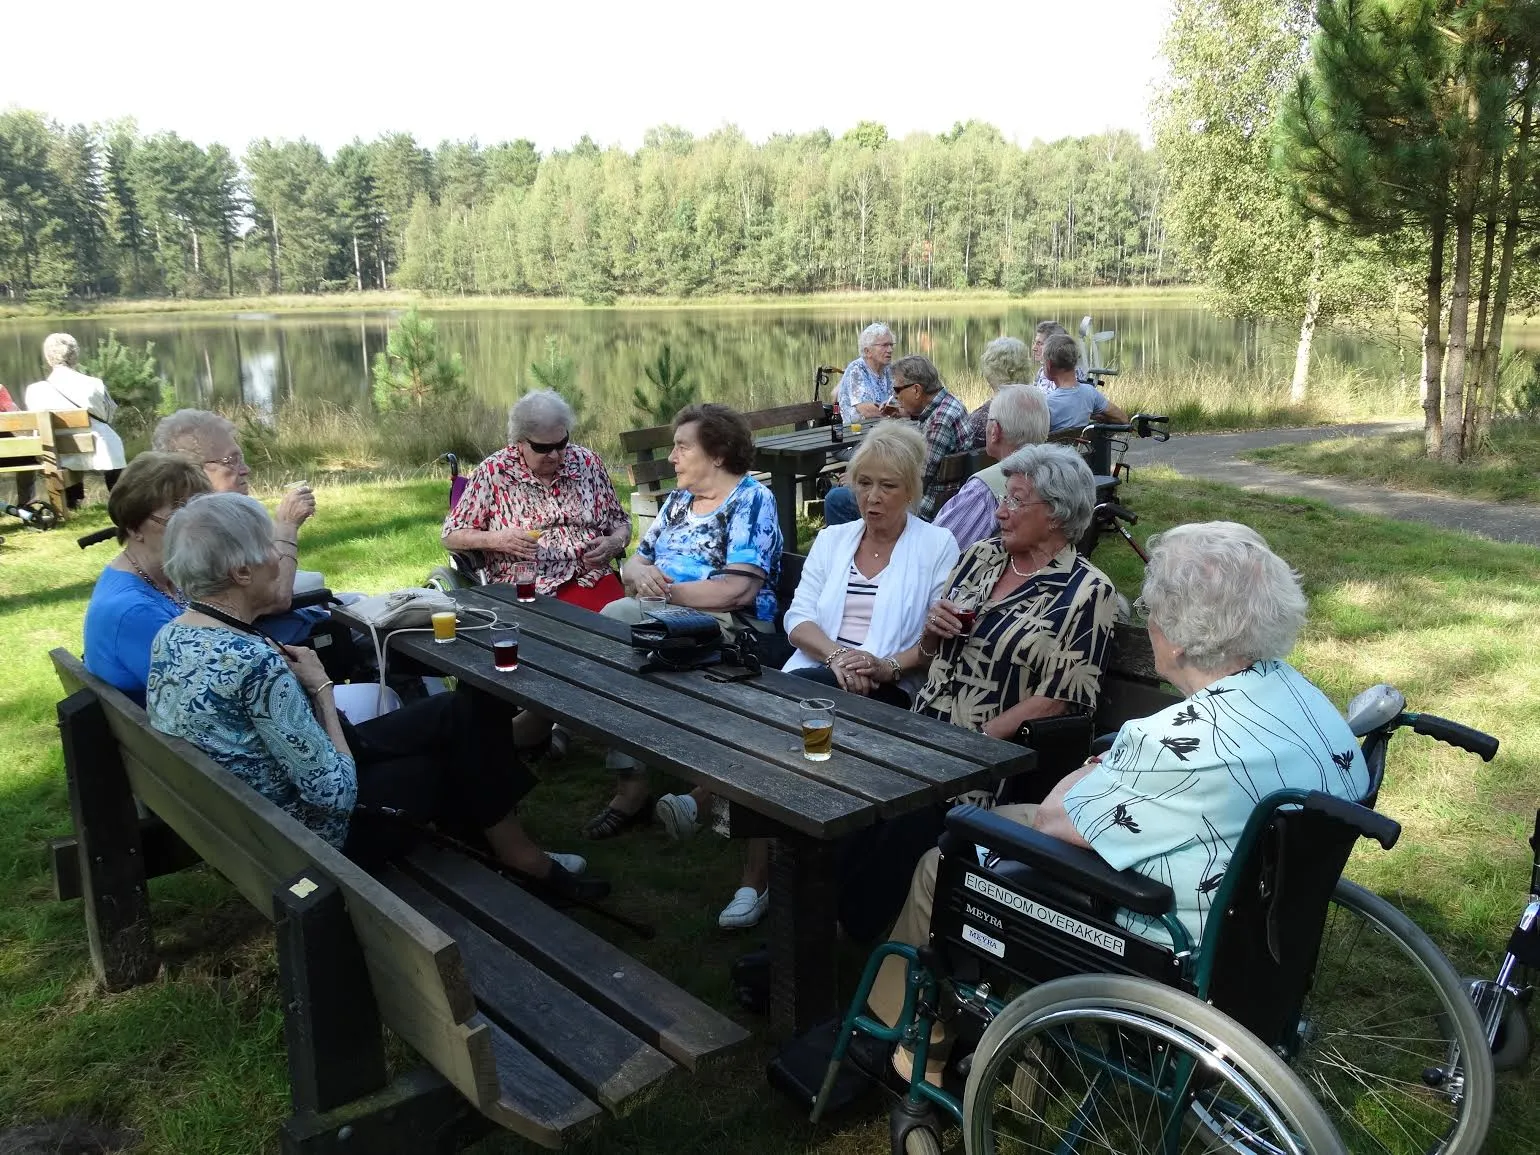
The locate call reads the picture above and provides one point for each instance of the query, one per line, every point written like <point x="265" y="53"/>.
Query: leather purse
<point x="679" y="639"/>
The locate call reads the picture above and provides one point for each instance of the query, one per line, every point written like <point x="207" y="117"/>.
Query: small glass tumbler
<point x="505" y="648"/>
<point x="443" y="626"/>
<point x="817" y="728"/>
<point x="524" y="581"/>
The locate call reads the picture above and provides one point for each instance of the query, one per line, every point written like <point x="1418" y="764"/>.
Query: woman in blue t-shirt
<point x="715" y="546"/>
<point x="133" y="597"/>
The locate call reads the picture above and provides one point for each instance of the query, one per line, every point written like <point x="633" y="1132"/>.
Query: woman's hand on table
<point x="858" y="672"/>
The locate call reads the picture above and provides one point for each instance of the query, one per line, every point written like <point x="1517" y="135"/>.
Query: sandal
<point x="610" y="822"/>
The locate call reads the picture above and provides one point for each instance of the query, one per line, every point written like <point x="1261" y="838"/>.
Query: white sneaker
<point x="745" y="910"/>
<point x="676" y="814"/>
<point x="571" y="863"/>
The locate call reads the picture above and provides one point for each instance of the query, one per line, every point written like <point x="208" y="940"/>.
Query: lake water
<point x="747" y="357"/>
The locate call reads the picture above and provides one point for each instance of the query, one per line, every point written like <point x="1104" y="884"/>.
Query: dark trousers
<point x="873" y="868"/>
<point x="888" y="692"/>
<point x="446" y="761"/>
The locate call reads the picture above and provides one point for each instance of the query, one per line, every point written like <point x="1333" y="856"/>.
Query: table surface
<point x="798" y="443"/>
<point x="741" y="740"/>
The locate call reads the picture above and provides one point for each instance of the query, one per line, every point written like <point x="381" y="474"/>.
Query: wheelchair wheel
<point x="1390" y="1042"/>
<point x="444" y="579"/>
<point x="1104" y="1063"/>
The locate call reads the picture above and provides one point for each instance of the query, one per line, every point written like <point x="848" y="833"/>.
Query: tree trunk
<point x="197" y="254"/>
<point x="1297" y="387"/>
<point x="1518" y="176"/>
<point x="273" y="257"/>
<point x="229" y="269"/>
<point x="358" y="268"/>
<point x="1432" y="342"/>
<point x="1452" y="451"/>
<point x="1473" y="371"/>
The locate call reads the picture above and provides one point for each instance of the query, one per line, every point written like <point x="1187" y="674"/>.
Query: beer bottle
<point x="836" y="425"/>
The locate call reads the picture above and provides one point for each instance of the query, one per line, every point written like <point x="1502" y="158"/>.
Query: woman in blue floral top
<point x="265" y="712"/>
<point x="715" y="546"/>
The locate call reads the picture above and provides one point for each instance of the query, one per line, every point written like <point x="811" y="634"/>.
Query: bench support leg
<point x="802" y="933"/>
<point x="419" y="1113"/>
<point x="111" y="864"/>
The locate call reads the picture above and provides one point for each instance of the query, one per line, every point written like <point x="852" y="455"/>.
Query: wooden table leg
<point x="802" y="934"/>
<point x="783" y="487"/>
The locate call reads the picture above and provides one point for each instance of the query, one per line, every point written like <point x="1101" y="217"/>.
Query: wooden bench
<point x="648" y="471"/>
<point x="525" y="1019"/>
<point x="954" y="470"/>
<point x="30" y="443"/>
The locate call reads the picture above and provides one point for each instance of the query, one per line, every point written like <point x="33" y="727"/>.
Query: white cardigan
<point x="922" y="558"/>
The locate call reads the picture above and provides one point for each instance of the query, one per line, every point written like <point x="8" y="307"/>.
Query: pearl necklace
<point x="174" y="595"/>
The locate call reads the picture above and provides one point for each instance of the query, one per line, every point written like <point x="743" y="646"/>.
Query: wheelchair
<point x="1104" y="446"/>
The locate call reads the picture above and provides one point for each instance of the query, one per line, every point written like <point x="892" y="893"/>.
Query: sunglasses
<point x="543" y="447"/>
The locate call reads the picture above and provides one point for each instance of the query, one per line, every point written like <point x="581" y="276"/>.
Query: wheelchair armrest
<point x="316" y="597"/>
<point x="1368" y="823"/>
<point x="1069" y="865"/>
<point x="470" y="562"/>
<point x="1103" y="742"/>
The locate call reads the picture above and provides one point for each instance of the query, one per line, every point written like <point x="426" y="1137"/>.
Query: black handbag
<point x="679" y="639"/>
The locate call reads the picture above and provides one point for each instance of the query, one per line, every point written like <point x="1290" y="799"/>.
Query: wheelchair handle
<point x="1454" y="734"/>
<point x="1143" y="421"/>
<point x="97" y="536"/>
<point x="1369" y="823"/>
<point x="1119" y="512"/>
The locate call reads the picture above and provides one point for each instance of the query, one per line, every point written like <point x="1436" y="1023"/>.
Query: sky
<point x="553" y="70"/>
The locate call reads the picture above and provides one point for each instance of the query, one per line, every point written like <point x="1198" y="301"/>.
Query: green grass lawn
<point x="195" y="1062"/>
<point x="1507" y="468"/>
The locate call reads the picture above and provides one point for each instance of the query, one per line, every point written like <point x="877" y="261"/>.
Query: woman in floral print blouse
<point x="547" y="501"/>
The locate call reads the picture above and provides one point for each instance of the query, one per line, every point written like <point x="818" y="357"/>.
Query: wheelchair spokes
<point x="1388" y="1040"/>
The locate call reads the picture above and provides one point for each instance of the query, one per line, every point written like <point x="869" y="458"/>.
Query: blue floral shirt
<point x="860" y="386"/>
<point x="742" y="531"/>
<point x="1172" y="795"/>
<point x="233" y="697"/>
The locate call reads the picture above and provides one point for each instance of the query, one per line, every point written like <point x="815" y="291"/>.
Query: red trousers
<point x="604" y="591"/>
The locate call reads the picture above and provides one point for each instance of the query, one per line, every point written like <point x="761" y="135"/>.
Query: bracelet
<point x="834" y="653"/>
<point x="923" y="653"/>
<point x="898" y="671"/>
<point x="321" y="687"/>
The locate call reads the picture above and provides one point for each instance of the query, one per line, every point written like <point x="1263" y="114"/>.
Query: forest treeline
<point x="90" y="211"/>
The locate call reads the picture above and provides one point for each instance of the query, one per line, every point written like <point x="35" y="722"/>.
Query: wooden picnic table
<point x="792" y="457"/>
<point x="740" y="740"/>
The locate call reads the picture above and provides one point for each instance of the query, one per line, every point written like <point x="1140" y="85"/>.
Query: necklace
<point x="1017" y="572"/>
<point x="173" y="593"/>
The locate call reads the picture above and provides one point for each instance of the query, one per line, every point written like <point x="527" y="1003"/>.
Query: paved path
<point x="1213" y="457"/>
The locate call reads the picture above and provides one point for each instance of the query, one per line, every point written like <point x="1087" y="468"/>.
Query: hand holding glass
<point x="964" y="608"/>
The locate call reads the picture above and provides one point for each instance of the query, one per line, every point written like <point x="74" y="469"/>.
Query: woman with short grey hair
<point x="544" y="502"/>
<point x="266" y="712"/>
<point x="868" y="381"/>
<point x="1061" y="478"/>
<point x="66" y="387"/>
<point x="1005" y="361"/>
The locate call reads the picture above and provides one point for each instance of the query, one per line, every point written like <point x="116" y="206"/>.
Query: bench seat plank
<point x="602" y="1059"/>
<point x="533" y="1100"/>
<point x="647" y="1004"/>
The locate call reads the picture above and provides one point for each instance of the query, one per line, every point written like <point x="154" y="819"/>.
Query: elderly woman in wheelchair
<point x="1163" y="903"/>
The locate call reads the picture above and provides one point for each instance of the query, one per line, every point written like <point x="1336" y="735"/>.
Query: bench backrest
<point x="32" y="439"/>
<point x="956" y="468"/>
<point x="647" y="469"/>
<point x="1130" y="686"/>
<point x="416" y="971"/>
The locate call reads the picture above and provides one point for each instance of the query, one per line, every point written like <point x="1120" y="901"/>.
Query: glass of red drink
<point x="524" y="581"/>
<point x="964" y="608"/>
<point x="505" y="649"/>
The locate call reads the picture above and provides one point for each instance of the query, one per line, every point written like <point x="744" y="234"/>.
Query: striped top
<point x="860" y="597"/>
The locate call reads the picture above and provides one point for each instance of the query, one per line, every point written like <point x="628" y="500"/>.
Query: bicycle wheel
<point x="1104" y="1064"/>
<point x="1389" y="1041"/>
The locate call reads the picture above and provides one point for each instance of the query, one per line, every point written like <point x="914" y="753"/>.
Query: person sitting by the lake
<point x="266" y="713"/>
<point x="1036" y="649"/>
<point x="208" y="440"/>
<point x="862" y="599"/>
<point x="1171" y="796"/>
<point x="1005" y="361"/>
<point x="1072" y="403"/>
<point x="917" y="394"/>
<point x="1018" y="416"/>
<point x="1040" y="335"/>
<point x="133" y="598"/>
<point x="66" y="387"/>
<point x="867" y="385"/>
<point x="715" y="546"/>
<point x="546" y="501"/>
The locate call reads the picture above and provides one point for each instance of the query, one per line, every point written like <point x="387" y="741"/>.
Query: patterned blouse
<point x="233" y="697"/>
<point x="860" y="386"/>
<point x="1173" y="794"/>
<point x="575" y="509"/>
<point x="1046" y="639"/>
<point x="742" y="531"/>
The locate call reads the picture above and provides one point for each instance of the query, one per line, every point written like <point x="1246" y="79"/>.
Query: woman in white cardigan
<point x="864" y="593"/>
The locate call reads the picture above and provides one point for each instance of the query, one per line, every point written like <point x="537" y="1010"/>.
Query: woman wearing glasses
<point x="133" y="598"/>
<point x="546" y="501"/>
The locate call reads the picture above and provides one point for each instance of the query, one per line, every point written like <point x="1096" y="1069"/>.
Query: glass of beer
<point x="505" y="648"/>
<point x="524" y="581"/>
<point x="443" y="626"/>
<point x="817" y="728"/>
<point x="964" y="608"/>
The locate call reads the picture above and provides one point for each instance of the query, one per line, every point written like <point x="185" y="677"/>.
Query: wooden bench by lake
<point x="31" y="441"/>
<point x="526" y="1020"/>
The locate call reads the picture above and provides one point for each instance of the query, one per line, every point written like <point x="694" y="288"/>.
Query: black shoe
<point x="562" y="883"/>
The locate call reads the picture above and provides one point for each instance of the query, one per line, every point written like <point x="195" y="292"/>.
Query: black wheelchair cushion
<point x="1071" y="866"/>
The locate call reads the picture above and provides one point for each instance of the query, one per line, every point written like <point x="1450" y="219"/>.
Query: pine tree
<point x="412" y="370"/>
<point x="672" y="389"/>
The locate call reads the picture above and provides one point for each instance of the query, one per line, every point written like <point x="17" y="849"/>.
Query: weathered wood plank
<point x="16" y="452"/>
<point x="162" y="849"/>
<point x="533" y="1100"/>
<point x="797" y="802"/>
<point x="1130" y="657"/>
<point x="647" y="1004"/>
<point x="654" y="436"/>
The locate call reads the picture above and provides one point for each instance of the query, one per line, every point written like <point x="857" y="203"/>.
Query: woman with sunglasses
<point x="546" y="501"/>
<point x="133" y="597"/>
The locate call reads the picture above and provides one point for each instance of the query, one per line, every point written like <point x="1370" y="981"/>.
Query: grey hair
<point x="917" y="370"/>
<point x="1059" y="476"/>
<point x="539" y="411"/>
<point x="1060" y="352"/>
<point x="1006" y="361"/>
<point x="871" y="334"/>
<point x="1217" y="591"/>
<point x="211" y="535"/>
<point x="60" y="349"/>
<point x="899" y="446"/>
<point x="189" y="431"/>
<point x="1046" y="329"/>
<point x="1022" y="413"/>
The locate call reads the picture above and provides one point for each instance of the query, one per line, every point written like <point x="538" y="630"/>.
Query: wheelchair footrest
<point x="798" y="1068"/>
